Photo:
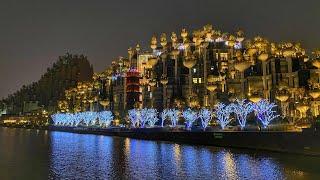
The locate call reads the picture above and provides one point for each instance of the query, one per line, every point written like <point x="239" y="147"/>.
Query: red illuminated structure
<point x="133" y="88"/>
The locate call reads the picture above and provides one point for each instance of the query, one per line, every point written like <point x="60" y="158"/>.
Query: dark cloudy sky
<point x="33" y="33"/>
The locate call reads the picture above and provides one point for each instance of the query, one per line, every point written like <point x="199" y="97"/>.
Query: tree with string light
<point x="242" y="109"/>
<point x="174" y="117"/>
<point x="134" y="117"/>
<point x="164" y="114"/>
<point x="152" y="117"/>
<point x="205" y="116"/>
<point x="105" y="118"/>
<point x="264" y="112"/>
<point x="190" y="117"/>
<point x="144" y="113"/>
<point x="222" y="113"/>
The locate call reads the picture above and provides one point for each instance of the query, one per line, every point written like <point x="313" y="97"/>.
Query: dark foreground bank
<point x="306" y="142"/>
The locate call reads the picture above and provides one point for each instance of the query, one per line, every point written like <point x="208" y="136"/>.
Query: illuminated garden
<point x="148" y="117"/>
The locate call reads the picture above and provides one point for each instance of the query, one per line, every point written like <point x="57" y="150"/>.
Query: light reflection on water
<point x="90" y="156"/>
<point x="35" y="154"/>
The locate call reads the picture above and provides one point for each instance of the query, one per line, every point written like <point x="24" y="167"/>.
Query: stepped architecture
<point x="201" y="68"/>
<point x="43" y="95"/>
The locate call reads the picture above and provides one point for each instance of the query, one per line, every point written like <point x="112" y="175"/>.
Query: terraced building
<point x="203" y="67"/>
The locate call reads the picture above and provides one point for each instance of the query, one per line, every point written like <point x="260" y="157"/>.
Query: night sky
<point x="33" y="33"/>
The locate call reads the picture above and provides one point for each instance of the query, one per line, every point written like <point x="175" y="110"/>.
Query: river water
<point x="36" y="154"/>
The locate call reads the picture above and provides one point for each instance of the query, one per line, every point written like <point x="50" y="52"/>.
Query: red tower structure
<point x="132" y="88"/>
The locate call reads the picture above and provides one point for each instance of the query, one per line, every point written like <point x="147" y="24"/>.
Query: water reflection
<point x="23" y="154"/>
<point x="34" y="154"/>
<point x="90" y="156"/>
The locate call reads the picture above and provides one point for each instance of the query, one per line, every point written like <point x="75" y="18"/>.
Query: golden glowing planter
<point x="242" y="66"/>
<point x="189" y="62"/>
<point x="152" y="61"/>
<point x="314" y="94"/>
<point x="152" y="82"/>
<point x="282" y="97"/>
<point x="252" y="51"/>
<point x="254" y="98"/>
<point x="184" y="33"/>
<point x="316" y="63"/>
<point x="303" y="110"/>
<point x="263" y="57"/>
<point x="164" y="81"/>
<point x="211" y="87"/>
<point x="288" y="52"/>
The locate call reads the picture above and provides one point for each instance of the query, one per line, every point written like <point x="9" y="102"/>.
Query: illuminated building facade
<point x="206" y="66"/>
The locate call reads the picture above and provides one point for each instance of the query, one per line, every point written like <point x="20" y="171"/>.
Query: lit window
<point x="199" y="80"/>
<point x="223" y="56"/>
<point x="195" y="80"/>
<point x="194" y="70"/>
